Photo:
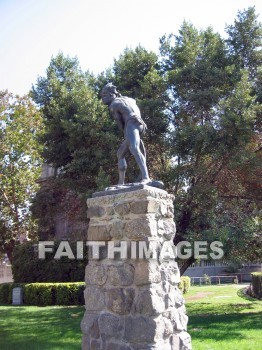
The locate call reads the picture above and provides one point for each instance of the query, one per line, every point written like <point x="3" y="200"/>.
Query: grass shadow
<point x="242" y="293"/>
<point x="36" y="328"/>
<point x="204" y="308"/>
<point x="226" y="327"/>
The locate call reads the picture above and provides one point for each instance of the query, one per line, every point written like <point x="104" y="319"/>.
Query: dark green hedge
<point x="42" y="294"/>
<point x="256" y="284"/>
<point x="6" y="292"/>
<point x="28" y="268"/>
<point x="184" y="284"/>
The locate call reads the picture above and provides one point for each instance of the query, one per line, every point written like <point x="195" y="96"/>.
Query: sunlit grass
<point x="224" y="318"/>
<point x="37" y="328"/>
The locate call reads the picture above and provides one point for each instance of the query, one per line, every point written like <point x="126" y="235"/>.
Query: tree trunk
<point x="187" y="263"/>
<point x="9" y="248"/>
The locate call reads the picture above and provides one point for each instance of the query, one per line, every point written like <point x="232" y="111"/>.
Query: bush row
<point x="28" y="268"/>
<point x="256" y="283"/>
<point x="184" y="284"/>
<point x="43" y="294"/>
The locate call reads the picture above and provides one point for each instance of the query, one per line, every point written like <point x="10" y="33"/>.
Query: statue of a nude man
<point x="128" y="118"/>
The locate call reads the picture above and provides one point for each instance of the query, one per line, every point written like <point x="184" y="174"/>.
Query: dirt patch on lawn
<point x="200" y="295"/>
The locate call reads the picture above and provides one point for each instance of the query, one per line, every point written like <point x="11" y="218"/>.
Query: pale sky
<point x="96" y="31"/>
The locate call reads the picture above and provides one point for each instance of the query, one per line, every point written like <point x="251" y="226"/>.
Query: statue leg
<point x="122" y="165"/>
<point x="133" y="139"/>
<point x="143" y="151"/>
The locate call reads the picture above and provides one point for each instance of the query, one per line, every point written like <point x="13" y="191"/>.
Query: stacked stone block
<point x="133" y="303"/>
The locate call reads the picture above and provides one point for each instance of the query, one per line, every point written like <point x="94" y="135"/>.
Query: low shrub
<point x="69" y="294"/>
<point x="184" y="284"/>
<point x="207" y="279"/>
<point x="6" y="292"/>
<point x="43" y="294"/>
<point x="256" y="283"/>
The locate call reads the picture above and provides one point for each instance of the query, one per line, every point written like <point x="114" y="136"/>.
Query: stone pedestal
<point x="132" y="298"/>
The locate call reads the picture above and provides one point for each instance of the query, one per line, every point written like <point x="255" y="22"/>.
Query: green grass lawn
<point x="224" y="318"/>
<point x="220" y="318"/>
<point x="40" y="328"/>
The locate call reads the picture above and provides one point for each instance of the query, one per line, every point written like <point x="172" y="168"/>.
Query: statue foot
<point x="153" y="183"/>
<point x="157" y="184"/>
<point x="145" y="181"/>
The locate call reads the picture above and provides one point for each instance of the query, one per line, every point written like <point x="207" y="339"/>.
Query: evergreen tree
<point x="214" y="121"/>
<point x="79" y="141"/>
<point x="244" y="42"/>
<point x="79" y="136"/>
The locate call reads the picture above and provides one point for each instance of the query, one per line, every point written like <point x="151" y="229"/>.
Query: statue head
<point x="109" y="93"/>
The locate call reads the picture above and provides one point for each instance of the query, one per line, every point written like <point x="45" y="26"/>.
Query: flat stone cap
<point x="126" y="188"/>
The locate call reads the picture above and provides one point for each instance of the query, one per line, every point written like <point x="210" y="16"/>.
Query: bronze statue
<point x="128" y="118"/>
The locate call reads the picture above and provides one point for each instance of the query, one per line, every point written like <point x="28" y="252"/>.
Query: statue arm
<point x="118" y="118"/>
<point x="115" y="109"/>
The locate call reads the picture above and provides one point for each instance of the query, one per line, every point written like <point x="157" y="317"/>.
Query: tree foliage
<point x="215" y="113"/>
<point x="20" y="126"/>
<point x="79" y="141"/>
<point x="244" y="42"/>
<point x="78" y="133"/>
